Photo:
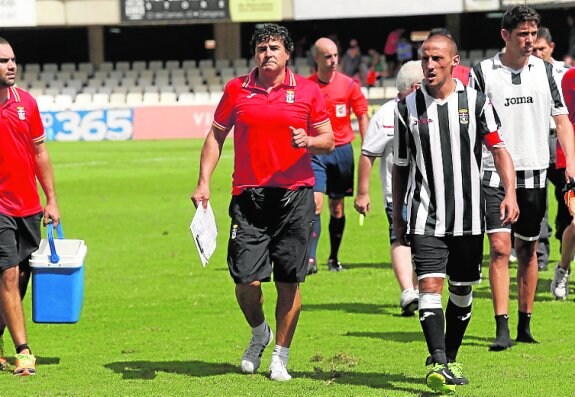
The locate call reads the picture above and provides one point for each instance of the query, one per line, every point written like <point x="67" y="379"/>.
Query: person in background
<point x="543" y="48"/>
<point x="378" y="143"/>
<point x="560" y="283"/>
<point x="334" y="172"/>
<point x="390" y="52"/>
<point x="440" y="130"/>
<point x="524" y="91"/>
<point x="24" y="161"/>
<point x="279" y="119"/>
<point x="352" y="63"/>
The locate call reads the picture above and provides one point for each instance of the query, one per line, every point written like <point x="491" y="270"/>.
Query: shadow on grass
<point x="363" y="308"/>
<point x="148" y="370"/>
<point x="409" y="337"/>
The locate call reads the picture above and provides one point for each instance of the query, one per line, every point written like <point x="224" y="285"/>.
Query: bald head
<point x="325" y="54"/>
<point x="442" y="40"/>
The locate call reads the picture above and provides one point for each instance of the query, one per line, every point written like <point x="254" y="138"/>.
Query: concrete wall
<point x="78" y="12"/>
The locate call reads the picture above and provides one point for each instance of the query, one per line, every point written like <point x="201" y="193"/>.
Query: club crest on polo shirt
<point x="21" y="112"/>
<point x="290" y="96"/>
<point x="340" y="110"/>
<point x="464" y="116"/>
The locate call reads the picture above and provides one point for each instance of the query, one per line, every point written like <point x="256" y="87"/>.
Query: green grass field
<point x="155" y="323"/>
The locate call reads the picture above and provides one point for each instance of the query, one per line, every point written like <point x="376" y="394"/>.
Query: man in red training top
<point x="23" y="161"/>
<point x="334" y="172"/>
<point x="279" y="119"/>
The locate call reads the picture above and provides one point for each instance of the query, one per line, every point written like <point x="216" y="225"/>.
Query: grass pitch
<point x="155" y="323"/>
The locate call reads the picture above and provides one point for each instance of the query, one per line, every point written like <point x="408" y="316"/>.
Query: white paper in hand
<point x="204" y="232"/>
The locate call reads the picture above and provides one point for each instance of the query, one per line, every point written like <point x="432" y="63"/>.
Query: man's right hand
<point x="201" y="195"/>
<point x="362" y="203"/>
<point x="400" y="230"/>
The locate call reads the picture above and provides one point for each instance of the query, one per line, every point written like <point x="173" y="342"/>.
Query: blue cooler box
<point x="58" y="281"/>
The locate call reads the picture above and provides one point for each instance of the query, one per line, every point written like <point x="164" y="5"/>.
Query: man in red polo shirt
<point x="334" y="172"/>
<point x="23" y="160"/>
<point x="279" y="119"/>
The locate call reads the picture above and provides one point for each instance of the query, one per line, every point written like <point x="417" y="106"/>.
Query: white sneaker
<point x="253" y="355"/>
<point x="409" y="301"/>
<point x="278" y="370"/>
<point x="559" y="285"/>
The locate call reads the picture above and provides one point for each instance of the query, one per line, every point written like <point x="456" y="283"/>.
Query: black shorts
<point x="19" y="237"/>
<point x="532" y="205"/>
<point x="334" y="172"/>
<point x="270" y="233"/>
<point x="459" y="258"/>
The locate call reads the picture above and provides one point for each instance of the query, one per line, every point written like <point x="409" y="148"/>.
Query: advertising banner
<point x="169" y="10"/>
<point x="256" y="10"/>
<point x="16" y="13"/>
<point x="481" y="5"/>
<point x="145" y="122"/>
<point x="330" y="9"/>
<point x="536" y="3"/>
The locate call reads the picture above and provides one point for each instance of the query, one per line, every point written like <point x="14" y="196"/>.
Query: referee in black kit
<point x="439" y="133"/>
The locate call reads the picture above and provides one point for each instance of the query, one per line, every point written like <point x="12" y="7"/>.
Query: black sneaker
<point x="334" y="265"/>
<point x="457" y="371"/>
<point x="440" y="379"/>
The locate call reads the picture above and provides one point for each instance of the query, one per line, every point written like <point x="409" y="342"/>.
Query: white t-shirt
<point x="378" y="142"/>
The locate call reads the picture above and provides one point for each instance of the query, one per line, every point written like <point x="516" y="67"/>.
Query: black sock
<point x="456" y="321"/>
<point x="502" y="326"/>
<point x="433" y="324"/>
<point x="336" y="226"/>
<point x="524" y="329"/>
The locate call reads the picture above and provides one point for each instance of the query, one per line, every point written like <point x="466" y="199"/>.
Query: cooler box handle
<point x="54" y="257"/>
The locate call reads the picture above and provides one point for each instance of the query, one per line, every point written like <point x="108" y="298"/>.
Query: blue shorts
<point x="334" y="172"/>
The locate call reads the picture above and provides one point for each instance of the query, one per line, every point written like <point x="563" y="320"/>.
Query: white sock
<point x="261" y="331"/>
<point x="282" y="353"/>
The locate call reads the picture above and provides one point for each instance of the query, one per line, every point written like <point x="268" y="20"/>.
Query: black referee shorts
<point x="270" y="233"/>
<point x="532" y="205"/>
<point x="19" y="237"/>
<point x="457" y="258"/>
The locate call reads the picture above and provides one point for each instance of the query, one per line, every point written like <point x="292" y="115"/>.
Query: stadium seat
<point x="303" y="70"/>
<point x="138" y="66"/>
<point x="50" y="67"/>
<point x="81" y="75"/>
<point x="390" y="92"/>
<point x="178" y="80"/>
<point x="76" y="84"/>
<point x="45" y="102"/>
<point x="58" y="84"/>
<point x="186" y="98"/>
<point x="168" y="98"/>
<point x="134" y="74"/>
<point x="133" y="99"/>
<point x="86" y="67"/>
<point x="177" y="73"/>
<point x="301" y="61"/>
<point x="172" y="65"/>
<point x="155" y="65"/>
<point x="202" y="98"/>
<point x="36" y="91"/>
<point x="475" y="54"/>
<point x="364" y="91"/>
<point x="143" y="81"/>
<point x="32" y="67"/>
<point x="29" y="76"/>
<point x="180" y="89"/>
<point x="146" y="74"/>
<point x="189" y="64"/>
<point x="200" y="88"/>
<point x="68" y="67"/>
<point x="162" y="80"/>
<point x="150" y="89"/>
<point x="240" y="63"/>
<point x="162" y="73"/>
<point x="137" y="89"/>
<point x="208" y="72"/>
<point x="111" y="81"/>
<point x="69" y="91"/>
<point x="166" y="88"/>
<point x="151" y="98"/>
<point x="83" y="100"/>
<point x="105" y="89"/>
<point x="100" y="74"/>
<point x="90" y="90"/>
<point x="117" y="99"/>
<point x="105" y="66"/>
<point x="100" y="99"/>
<point x="205" y="63"/>
<point x="490" y="52"/>
<point x="116" y="74"/>
<point x="122" y="89"/>
<point x="212" y="80"/>
<point x="222" y="63"/>
<point x="215" y="96"/>
<point x="227" y="73"/>
<point x="240" y="71"/>
<point x="128" y="81"/>
<point x="195" y="81"/>
<point x="64" y="75"/>
<point x="47" y="76"/>
<point x="215" y="88"/>
<point x="63" y="102"/>
<point x="52" y="91"/>
<point x="193" y="73"/>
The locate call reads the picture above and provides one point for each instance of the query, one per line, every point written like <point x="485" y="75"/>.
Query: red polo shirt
<point x="20" y="128"/>
<point x="342" y="96"/>
<point x="264" y="155"/>
<point x="568" y="87"/>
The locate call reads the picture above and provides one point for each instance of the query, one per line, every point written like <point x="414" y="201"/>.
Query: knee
<point x="461" y="295"/>
<point x="10" y="276"/>
<point x="500" y="248"/>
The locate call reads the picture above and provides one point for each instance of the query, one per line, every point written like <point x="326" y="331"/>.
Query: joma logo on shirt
<point x="423" y="121"/>
<point x="518" y="100"/>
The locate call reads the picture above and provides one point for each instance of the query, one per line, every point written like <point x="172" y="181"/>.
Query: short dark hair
<point x="4" y="41"/>
<point x="517" y="15"/>
<point x="443" y="32"/>
<point x="269" y="31"/>
<point x="544" y="33"/>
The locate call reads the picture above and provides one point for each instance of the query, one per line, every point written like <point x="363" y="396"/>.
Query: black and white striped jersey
<point x="441" y="141"/>
<point x="524" y="100"/>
